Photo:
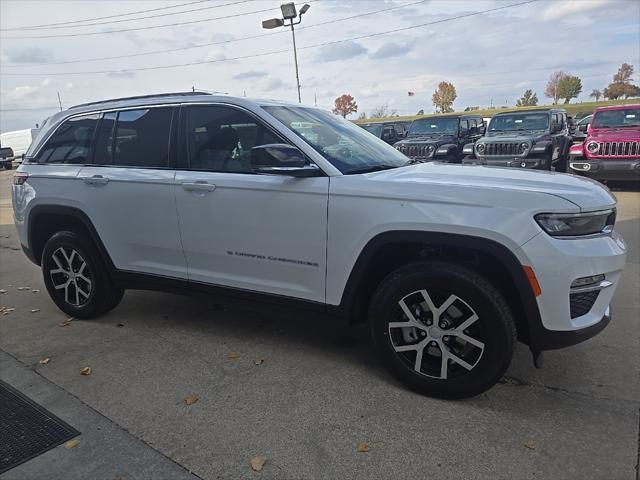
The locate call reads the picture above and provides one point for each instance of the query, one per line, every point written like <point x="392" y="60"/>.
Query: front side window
<point x="628" y="117"/>
<point x="347" y="146"/>
<point x="519" y="122"/>
<point x="220" y="138"/>
<point x="71" y="143"/>
<point x="142" y="138"/>
<point x="435" y="126"/>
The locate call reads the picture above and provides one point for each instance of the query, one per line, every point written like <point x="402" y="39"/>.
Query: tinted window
<point x="464" y="125"/>
<point x="220" y="138"/>
<point x="71" y="142"/>
<point x="142" y="138"/>
<point x="104" y="140"/>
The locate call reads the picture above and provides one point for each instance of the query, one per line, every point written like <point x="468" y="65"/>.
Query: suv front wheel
<point x="442" y="329"/>
<point x="76" y="277"/>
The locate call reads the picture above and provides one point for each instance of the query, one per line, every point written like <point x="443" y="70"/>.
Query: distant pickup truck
<point x="6" y="157"/>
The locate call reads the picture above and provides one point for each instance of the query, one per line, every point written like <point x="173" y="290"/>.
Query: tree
<point x="345" y="105"/>
<point x="362" y="116"/>
<point x="623" y="74"/>
<point x="528" y="99"/>
<point x="621" y="85"/>
<point x="444" y="97"/>
<point x="382" y="111"/>
<point x="552" y="86"/>
<point x="595" y="93"/>
<point x="569" y="87"/>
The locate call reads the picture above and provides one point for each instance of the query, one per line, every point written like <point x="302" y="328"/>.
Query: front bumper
<point x="512" y="162"/>
<point x="557" y="263"/>
<point x="606" y="169"/>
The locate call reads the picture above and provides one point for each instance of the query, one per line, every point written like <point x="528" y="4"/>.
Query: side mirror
<point x="281" y="159"/>
<point x="583" y="128"/>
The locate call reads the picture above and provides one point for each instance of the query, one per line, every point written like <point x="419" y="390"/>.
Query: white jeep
<point x="449" y="264"/>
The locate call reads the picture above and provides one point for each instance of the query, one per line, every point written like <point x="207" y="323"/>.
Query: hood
<point x="614" y="134"/>
<point x="426" y="139"/>
<point x="587" y="194"/>
<point x="514" y="137"/>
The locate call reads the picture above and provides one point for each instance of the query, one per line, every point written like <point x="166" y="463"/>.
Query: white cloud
<point x="22" y="91"/>
<point x="567" y="8"/>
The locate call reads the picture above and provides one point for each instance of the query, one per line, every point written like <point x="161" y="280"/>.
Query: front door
<point x="239" y="229"/>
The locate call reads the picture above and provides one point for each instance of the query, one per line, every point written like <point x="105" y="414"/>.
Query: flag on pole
<point x="411" y="94"/>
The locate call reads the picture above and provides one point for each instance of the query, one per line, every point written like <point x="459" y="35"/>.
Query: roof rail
<point x="138" y="97"/>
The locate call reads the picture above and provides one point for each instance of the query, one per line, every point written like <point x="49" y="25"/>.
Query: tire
<point x="79" y="291"/>
<point x="485" y="344"/>
<point x="468" y="160"/>
<point x="8" y="166"/>
<point x="562" y="165"/>
<point x="547" y="165"/>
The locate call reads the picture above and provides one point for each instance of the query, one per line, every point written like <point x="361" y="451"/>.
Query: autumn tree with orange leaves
<point x="345" y="105"/>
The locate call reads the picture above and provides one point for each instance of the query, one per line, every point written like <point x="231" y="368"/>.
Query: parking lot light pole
<point x="289" y="13"/>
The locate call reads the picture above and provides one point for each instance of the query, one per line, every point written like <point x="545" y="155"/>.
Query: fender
<point x="446" y="150"/>
<point x="76" y="214"/>
<point x="525" y="297"/>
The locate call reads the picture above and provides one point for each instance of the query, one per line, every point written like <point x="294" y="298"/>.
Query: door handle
<point x="198" y="186"/>
<point x="95" y="180"/>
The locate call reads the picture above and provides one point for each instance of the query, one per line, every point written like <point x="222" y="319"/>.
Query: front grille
<point x="618" y="149"/>
<point x="582" y="303"/>
<point x="503" y="148"/>
<point x="414" y="151"/>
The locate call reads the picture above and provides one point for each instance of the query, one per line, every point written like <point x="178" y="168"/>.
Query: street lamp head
<point x="272" y="23"/>
<point x="304" y="8"/>
<point x="289" y="10"/>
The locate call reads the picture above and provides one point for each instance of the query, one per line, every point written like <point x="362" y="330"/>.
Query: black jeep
<point x="536" y="138"/>
<point x="441" y="137"/>
<point x="6" y="157"/>
<point x="390" y="132"/>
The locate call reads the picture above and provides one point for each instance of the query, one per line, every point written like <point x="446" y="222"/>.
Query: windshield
<point x="435" y="126"/>
<point x="519" y="121"/>
<point x="375" y="129"/>
<point x="347" y="146"/>
<point x="629" y="117"/>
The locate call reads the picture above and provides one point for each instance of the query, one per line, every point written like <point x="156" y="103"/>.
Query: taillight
<point x="19" y="178"/>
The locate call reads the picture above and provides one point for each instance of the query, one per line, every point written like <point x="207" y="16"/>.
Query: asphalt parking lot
<point x="316" y="395"/>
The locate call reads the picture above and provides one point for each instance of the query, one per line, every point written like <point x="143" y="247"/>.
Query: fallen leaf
<point x="191" y="399"/>
<point x="259" y="361"/>
<point x="44" y="361"/>
<point x="362" y="447"/>
<point x="234" y="354"/>
<point x="71" y="443"/>
<point x="2" y="290"/>
<point x="24" y="288"/>
<point x="120" y="325"/>
<point x="35" y="290"/>
<point x="66" y="322"/>
<point x="35" y="310"/>
<point x="258" y="462"/>
<point x="86" y="371"/>
<point x="530" y="444"/>
<point x="6" y="310"/>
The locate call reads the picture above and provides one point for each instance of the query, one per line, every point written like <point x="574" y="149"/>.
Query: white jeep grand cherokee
<point x="264" y="200"/>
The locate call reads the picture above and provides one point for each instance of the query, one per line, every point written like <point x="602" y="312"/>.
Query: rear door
<point x="128" y="191"/>
<point x="240" y="229"/>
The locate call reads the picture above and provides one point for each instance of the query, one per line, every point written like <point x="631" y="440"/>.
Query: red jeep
<point x="611" y="150"/>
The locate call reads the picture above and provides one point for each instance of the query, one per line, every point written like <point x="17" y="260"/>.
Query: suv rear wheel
<point x="442" y="329"/>
<point x="76" y="277"/>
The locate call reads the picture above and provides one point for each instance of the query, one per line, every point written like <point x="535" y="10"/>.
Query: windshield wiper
<point x="371" y="168"/>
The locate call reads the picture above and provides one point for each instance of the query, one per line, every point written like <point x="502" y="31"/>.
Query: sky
<point x="492" y="51"/>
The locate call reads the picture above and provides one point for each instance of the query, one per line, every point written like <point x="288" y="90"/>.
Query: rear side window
<point x="142" y="138"/>
<point x="71" y="142"/>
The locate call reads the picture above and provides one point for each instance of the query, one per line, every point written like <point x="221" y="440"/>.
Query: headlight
<point x="524" y="146"/>
<point x="480" y="147"/>
<point x="430" y="148"/>
<point x="577" y="224"/>
<point x="592" y="147"/>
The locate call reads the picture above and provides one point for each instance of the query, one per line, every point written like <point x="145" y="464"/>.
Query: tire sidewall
<point x="498" y="342"/>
